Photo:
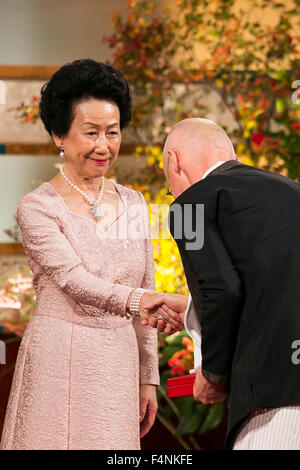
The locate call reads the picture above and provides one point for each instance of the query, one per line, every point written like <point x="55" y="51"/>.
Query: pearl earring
<point x="62" y="153"/>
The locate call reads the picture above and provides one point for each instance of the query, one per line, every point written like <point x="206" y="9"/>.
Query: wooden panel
<point x="49" y="149"/>
<point x="11" y="249"/>
<point x="31" y="149"/>
<point x="27" y="71"/>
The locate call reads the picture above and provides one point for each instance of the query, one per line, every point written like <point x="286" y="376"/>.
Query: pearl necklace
<point x="95" y="205"/>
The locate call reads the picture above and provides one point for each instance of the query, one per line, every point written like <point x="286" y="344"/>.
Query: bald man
<point x="243" y="275"/>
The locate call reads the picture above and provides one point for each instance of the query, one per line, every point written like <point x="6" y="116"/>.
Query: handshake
<point x="163" y="311"/>
<point x="166" y="313"/>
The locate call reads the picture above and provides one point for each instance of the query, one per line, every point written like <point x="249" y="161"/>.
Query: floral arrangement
<point x="183" y="360"/>
<point x="253" y="69"/>
<point x="28" y="112"/>
<point x="17" y="301"/>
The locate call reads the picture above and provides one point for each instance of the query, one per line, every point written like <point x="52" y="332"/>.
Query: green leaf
<point x="164" y="376"/>
<point x="213" y="418"/>
<point x="215" y="33"/>
<point x="166" y="411"/>
<point x="176" y="340"/>
<point x="184" y="404"/>
<point x="280" y="105"/>
<point x="167" y="352"/>
<point x="190" y="420"/>
<point x="279" y="75"/>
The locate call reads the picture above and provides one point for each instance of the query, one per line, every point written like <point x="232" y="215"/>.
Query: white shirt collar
<point x="212" y="168"/>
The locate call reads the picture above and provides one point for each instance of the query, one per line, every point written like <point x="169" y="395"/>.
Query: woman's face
<point x="94" y="135"/>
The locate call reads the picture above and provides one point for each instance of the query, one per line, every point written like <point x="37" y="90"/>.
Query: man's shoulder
<point x="245" y="174"/>
<point x="242" y="177"/>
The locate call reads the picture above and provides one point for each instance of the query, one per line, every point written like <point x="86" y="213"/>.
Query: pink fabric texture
<point x="82" y="357"/>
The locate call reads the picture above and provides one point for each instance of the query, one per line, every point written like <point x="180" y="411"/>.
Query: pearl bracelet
<point x="135" y="301"/>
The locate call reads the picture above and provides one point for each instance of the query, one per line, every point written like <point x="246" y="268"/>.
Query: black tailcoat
<point x="245" y="283"/>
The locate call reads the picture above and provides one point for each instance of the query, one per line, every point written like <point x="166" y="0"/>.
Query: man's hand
<point x="176" y="302"/>
<point x="168" y="329"/>
<point x="162" y="325"/>
<point x="208" y="392"/>
<point x="170" y="315"/>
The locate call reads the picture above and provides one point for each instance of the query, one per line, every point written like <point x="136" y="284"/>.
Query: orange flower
<point x="175" y="359"/>
<point x="188" y="343"/>
<point x="150" y="74"/>
<point x="181" y="362"/>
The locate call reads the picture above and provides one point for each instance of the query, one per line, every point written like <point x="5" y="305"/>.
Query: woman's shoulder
<point x="41" y="193"/>
<point x="42" y="198"/>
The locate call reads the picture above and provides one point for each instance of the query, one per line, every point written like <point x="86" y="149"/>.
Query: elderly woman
<point x="87" y="369"/>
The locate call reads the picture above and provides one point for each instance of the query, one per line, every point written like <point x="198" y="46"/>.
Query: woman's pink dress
<point x="82" y="357"/>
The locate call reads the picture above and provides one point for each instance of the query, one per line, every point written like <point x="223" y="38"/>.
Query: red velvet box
<point x="181" y="386"/>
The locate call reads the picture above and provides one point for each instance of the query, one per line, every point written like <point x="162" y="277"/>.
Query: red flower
<point x="177" y="370"/>
<point x="112" y="41"/>
<point x="296" y="126"/>
<point x="177" y="357"/>
<point x="272" y="142"/>
<point x="258" y="138"/>
<point x="144" y="59"/>
<point x="273" y="84"/>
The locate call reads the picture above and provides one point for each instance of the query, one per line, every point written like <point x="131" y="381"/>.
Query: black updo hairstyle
<point x="77" y="81"/>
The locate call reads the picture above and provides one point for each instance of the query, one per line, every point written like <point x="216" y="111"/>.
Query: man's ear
<point x="174" y="156"/>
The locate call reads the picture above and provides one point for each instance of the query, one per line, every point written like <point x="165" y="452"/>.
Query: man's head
<point x="191" y="148"/>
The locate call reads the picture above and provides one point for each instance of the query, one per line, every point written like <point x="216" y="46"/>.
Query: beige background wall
<point x="52" y="32"/>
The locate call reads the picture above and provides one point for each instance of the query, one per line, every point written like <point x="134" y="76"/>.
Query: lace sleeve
<point x="47" y="246"/>
<point x="146" y="335"/>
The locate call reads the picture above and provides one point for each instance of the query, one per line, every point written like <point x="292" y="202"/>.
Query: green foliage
<point x="191" y="415"/>
<point x="213" y="418"/>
